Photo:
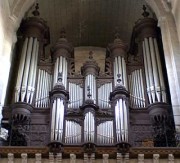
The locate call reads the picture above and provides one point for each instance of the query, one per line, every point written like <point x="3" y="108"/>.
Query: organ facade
<point x="124" y="105"/>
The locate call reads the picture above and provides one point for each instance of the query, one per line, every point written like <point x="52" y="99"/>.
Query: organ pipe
<point x="103" y="95"/>
<point x="136" y="88"/>
<point x="76" y="95"/>
<point x="146" y="31"/>
<point x="105" y="133"/>
<point x="25" y="85"/>
<point x="89" y="128"/>
<point x="43" y="89"/>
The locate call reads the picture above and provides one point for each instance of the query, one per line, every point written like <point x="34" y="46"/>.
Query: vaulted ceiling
<point x="91" y="22"/>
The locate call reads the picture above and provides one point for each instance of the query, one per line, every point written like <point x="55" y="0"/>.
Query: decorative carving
<point x="108" y="66"/>
<point x="55" y="147"/>
<point x="72" y="158"/>
<point x="89" y="148"/>
<point x="155" y="158"/>
<point x="24" y="158"/>
<point x="51" y="158"/>
<point x="126" y="158"/>
<point x="101" y="82"/>
<point x="86" y="158"/>
<point x="140" y="158"/>
<point x="71" y="69"/>
<point x="119" y="158"/>
<point x="38" y="157"/>
<point x="10" y="158"/>
<point x="123" y="147"/>
<point x="170" y="158"/>
<point x="105" y="158"/>
<point x="58" y="157"/>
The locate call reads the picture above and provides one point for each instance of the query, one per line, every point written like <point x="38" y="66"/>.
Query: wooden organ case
<point x="124" y="106"/>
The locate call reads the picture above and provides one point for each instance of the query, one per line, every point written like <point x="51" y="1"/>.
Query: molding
<point x="78" y="150"/>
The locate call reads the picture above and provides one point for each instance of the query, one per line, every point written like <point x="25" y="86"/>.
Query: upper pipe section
<point x="119" y="91"/>
<point x="145" y="27"/>
<point x="36" y="27"/>
<point x="90" y="66"/>
<point x="62" y="47"/>
<point x="59" y="90"/>
<point x="118" y="47"/>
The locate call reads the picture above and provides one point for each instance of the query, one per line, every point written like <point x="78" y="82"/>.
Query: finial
<point x="90" y="55"/>
<point x="145" y="13"/>
<point x="119" y="79"/>
<point x="117" y="35"/>
<point x="63" y="33"/>
<point x="36" y="12"/>
<point x="89" y="94"/>
<point x="59" y="77"/>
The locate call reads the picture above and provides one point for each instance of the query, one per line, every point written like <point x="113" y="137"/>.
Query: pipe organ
<point x="90" y="107"/>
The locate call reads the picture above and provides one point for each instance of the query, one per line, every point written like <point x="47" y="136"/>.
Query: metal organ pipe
<point x="90" y="80"/>
<point x="157" y="88"/>
<point x="103" y="95"/>
<point x="60" y="67"/>
<point x="120" y="68"/>
<point x="25" y="85"/>
<point x="121" y="118"/>
<point x="20" y="72"/>
<point x="152" y="61"/>
<point x="43" y="89"/>
<point x="57" y="120"/>
<point x="137" y="98"/>
<point x="89" y="128"/>
<point x="147" y="74"/>
<point x="162" y="85"/>
<point x="76" y="95"/>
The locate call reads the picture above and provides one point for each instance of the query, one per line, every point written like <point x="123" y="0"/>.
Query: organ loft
<point x="116" y="98"/>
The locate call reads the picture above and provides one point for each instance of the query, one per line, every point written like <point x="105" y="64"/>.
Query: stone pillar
<point x="126" y="158"/>
<point x="105" y="158"/>
<point x="38" y="158"/>
<point x="51" y="158"/>
<point x="119" y="158"/>
<point x="10" y="158"/>
<point x="155" y="158"/>
<point x="140" y="158"/>
<point x="172" y="58"/>
<point x="24" y="158"/>
<point x="86" y="158"/>
<point x="170" y="158"/>
<point x="58" y="158"/>
<point x="72" y="158"/>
